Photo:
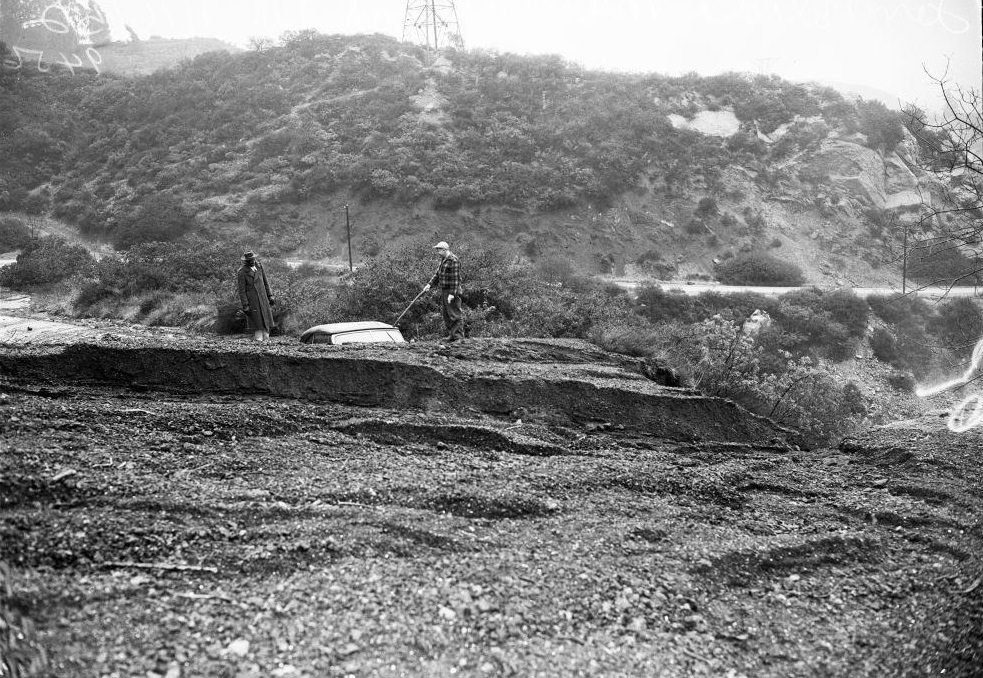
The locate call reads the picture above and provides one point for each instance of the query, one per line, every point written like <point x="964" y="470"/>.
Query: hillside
<point x="616" y="173"/>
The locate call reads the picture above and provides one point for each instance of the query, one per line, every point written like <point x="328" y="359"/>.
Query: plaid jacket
<point x="448" y="275"/>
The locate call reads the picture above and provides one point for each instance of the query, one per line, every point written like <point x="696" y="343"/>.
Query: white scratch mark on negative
<point x="962" y="418"/>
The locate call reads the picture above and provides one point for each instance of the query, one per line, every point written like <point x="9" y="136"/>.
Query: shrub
<point x="190" y="265"/>
<point x="901" y="381"/>
<point x="707" y="208"/>
<point x="555" y="270"/>
<point x="577" y="307"/>
<point x="44" y="261"/>
<point x="849" y="310"/>
<point x="828" y="322"/>
<point x="384" y="286"/>
<point x="810" y="329"/>
<point x="161" y="218"/>
<point x="802" y="394"/>
<point x="907" y="317"/>
<point x="303" y="295"/>
<point x="943" y="264"/>
<point x="695" y="226"/>
<point x="755" y="220"/>
<point x="759" y="268"/>
<point x="853" y="399"/>
<point x="228" y="319"/>
<point x="14" y="234"/>
<point x="881" y="125"/>
<point x="908" y="349"/>
<point x="645" y="341"/>
<point x="883" y="345"/>
<point x="901" y="310"/>
<point x="960" y="325"/>
<point x="657" y="305"/>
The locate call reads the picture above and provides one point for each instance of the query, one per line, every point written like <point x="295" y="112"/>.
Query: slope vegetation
<point x="612" y="171"/>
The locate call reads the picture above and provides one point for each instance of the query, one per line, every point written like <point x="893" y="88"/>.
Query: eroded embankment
<point x="419" y="377"/>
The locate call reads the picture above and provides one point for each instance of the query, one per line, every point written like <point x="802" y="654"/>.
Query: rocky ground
<point x="241" y="527"/>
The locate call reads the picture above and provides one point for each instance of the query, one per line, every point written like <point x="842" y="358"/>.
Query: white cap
<point x="441" y="246"/>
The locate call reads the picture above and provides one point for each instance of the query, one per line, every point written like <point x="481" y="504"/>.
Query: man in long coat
<point x="256" y="296"/>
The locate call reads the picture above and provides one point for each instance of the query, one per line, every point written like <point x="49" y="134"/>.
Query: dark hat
<point x="248" y="256"/>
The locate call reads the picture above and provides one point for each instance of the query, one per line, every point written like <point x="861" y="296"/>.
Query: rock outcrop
<point x="875" y="180"/>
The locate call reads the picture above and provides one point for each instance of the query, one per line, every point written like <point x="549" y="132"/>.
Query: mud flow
<point x="555" y="381"/>
<point x="171" y="506"/>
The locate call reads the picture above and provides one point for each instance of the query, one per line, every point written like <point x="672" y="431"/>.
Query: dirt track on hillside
<point x="156" y="529"/>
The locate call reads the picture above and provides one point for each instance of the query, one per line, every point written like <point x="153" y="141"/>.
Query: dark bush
<point x="384" y="286"/>
<point x="501" y="297"/>
<point x="161" y="218"/>
<point x="555" y="270"/>
<point x="901" y="310"/>
<point x="14" y="234"/>
<point x="881" y="125"/>
<point x="695" y="227"/>
<point x="815" y="329"/>
<point x="229" y="319"/>
<point x="190" y="265"/>
<point x="884" y="345"/>
<point x="943" y="264"/>
<point x="960" y="325"/>
<point x="707" y="208"/>
<point x="908" y="348"/>
<point x="658" y="305"/>
<point x="853" y="399"/>
<point x="840" y="306"/>
<point x="849" y="310"/>
<point x="44" y="261"/>
<point x="758" y="268"/>
<point x="901" y="381"/>
<point x="755" y="220"/>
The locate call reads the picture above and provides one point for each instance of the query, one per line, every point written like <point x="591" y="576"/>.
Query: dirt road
<point x="693" y="289"/>
<point x="159" y="529"/>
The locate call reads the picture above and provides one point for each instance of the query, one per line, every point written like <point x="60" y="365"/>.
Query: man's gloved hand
<point x="426" y="288"/>
<point x="450" y="298"/>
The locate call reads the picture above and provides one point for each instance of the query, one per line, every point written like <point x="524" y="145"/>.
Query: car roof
<point x="338" y="328"/>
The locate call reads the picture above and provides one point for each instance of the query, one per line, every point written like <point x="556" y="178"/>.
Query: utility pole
<point x="904" y="259"/>
<point x="432" y="24"/>
<point x="348" y="227"/>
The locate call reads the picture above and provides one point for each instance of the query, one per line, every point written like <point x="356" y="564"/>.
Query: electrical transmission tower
<point x="432" y="23"/>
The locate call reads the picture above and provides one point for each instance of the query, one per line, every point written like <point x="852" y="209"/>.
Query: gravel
<point x="151" y="533"/>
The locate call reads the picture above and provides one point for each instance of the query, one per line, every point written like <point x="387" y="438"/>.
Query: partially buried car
<point x="367" y="331"/>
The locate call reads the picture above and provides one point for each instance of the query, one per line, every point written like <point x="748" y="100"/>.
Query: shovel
<point x="396" y="324"/>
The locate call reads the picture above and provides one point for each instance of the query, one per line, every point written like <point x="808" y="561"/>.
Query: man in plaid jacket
<point x="448" y="277"/>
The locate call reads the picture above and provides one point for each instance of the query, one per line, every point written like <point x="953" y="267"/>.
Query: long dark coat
<point x="255" y="294"/>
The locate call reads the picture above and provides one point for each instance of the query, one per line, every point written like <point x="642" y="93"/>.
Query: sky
<point x="882" y="44"/>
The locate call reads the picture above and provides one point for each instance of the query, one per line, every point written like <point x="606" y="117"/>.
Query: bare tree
<point x="951" y="150"/>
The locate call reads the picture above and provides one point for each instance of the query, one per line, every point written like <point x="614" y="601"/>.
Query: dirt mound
<point x="555" y="381"/>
